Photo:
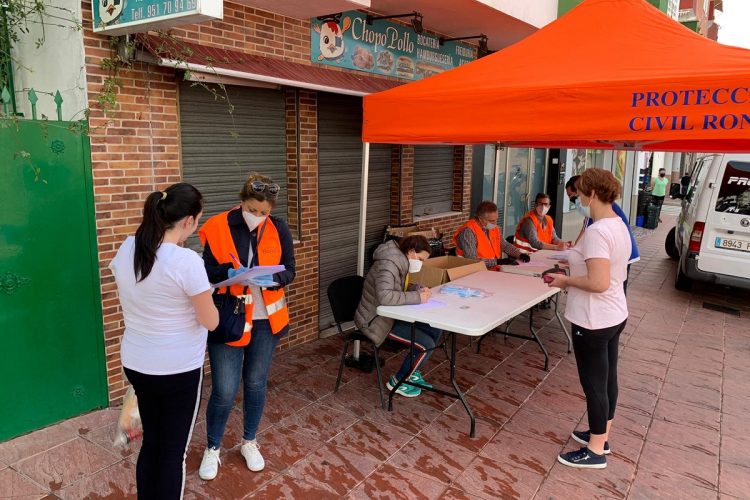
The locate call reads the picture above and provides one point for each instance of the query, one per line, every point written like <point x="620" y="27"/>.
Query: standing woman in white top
<point x="168" y="310"/>
<point x="598" y="310"/>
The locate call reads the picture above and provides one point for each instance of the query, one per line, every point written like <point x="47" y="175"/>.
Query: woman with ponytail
<point x="167" y="306"/>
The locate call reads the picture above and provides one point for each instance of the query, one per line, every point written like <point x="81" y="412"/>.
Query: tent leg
<point x="362" y="224"/>
<point x="363" y="208"/>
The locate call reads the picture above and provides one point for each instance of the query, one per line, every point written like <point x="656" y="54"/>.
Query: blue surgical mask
<point x="585" y="211"/>
<point x="490" y="226"/>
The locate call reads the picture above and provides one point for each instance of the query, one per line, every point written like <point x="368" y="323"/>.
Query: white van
<point x="712" y="236"/>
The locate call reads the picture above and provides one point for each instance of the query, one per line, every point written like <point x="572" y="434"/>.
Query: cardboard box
<point x="401" y="231"/>
<point x="404" y="231"/>
<point x="439" y="270"/>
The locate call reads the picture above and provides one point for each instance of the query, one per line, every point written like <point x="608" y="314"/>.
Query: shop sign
<point x="120" y="17"/>
<point x="383" y="48"/>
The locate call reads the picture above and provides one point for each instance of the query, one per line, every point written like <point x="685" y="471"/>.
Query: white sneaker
<point x="209" y="465"/>
<point x="251" y="451"/>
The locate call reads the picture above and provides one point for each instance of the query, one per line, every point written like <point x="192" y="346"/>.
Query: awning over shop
<point x="610" y="74"/>
<point x="194" y="57"/>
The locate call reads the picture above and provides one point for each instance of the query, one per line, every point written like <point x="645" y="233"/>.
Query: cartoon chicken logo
<point x="332" y="37"/>
<point x="110" y="10"/>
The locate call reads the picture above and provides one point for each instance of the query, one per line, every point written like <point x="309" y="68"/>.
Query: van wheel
<point x="670" y="245"/>
<point x="682" y="282"/>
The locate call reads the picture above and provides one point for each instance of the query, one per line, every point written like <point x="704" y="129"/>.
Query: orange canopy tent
<point x="610" y="74"/>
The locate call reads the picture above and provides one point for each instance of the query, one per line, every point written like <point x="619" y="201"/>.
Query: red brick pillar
<point x="462" y="164"/>
<point x="302" y="169"/>
<point x="402" y="185"/>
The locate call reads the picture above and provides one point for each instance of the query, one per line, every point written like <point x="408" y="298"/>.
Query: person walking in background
<point x="659" y="187"/>
<point x="572" y="192"/>
<point x="536" y="230"/>
<point x="234" y="241"/>
<point x="480" y="238"/>
<point x="168" y="310"/>
<point x="598" y="311"/>
<point x="387" y="284"/>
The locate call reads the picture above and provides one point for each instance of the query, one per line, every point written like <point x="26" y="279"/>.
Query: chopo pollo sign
<point x="384" y="48"/>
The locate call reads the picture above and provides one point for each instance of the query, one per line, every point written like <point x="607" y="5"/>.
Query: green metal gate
<point x="51" y="336"/>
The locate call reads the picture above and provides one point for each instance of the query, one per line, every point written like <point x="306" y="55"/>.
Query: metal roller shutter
<point x="340" y="177"/>
<point x="219" y="148"/>
<point x="433" y="179"/>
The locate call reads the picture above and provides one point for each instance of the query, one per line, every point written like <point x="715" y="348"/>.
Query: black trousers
<point x="625" y="283"/>
<point x="168" y="405"/>
<point x="596" y="357"/>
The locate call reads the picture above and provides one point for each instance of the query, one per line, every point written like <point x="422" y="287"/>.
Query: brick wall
<point x="402" y="191"/>
<point x="302" y="161"/>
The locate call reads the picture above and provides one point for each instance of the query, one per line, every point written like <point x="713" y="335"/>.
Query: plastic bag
<point x="129" y="424"/>
<point x="463" y="291"/>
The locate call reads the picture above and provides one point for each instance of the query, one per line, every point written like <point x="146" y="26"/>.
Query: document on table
<point x="561" y="256"/>
<point x="253" y="272"/>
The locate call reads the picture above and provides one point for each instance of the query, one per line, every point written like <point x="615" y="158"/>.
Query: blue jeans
<point x="425" y="340"/>
<point x="228" y="364"/>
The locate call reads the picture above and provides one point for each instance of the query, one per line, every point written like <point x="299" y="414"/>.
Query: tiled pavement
<point x="679" y="431"/>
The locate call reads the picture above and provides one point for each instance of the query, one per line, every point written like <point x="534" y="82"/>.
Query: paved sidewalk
<point x="679" y="431"/>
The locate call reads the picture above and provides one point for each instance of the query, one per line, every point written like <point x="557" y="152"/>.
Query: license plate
<point x="732" y="244"/>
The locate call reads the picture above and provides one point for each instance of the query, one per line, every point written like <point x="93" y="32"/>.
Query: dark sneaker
<point x="582" y="437"/>
<point x="583" y="459"/>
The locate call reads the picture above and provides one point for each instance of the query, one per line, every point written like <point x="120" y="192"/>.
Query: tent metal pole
<point x="497" y="174"/>
<point x="363" y="208"/>
<point x="362" y="227"/>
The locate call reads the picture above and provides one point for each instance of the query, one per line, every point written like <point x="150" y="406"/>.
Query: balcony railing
<point x="686" y="15"/>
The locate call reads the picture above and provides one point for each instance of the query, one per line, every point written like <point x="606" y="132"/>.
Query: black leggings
<point x="168" y="405"/>
<point x="596" y="356"/>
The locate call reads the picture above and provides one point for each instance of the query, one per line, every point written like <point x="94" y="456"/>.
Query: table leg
<point x="562" y="323"/>
<point x="537" y="339"/>
<point x="455" y="384"/>
<point x="411" y="357"/>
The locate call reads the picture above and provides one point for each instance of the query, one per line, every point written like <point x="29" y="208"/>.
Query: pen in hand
<point x="235" y="259"/>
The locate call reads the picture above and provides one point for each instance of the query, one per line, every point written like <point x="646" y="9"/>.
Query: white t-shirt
<point x="162" y="333"/>
<point x="604" y="239"/>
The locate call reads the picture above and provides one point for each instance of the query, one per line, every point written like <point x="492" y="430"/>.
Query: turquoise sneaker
<point x="417" y="379"/>
<point x="404" y="389"/>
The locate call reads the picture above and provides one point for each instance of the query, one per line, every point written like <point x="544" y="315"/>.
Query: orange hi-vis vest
<point x="487" y="247"/>
<point x="216" y="232"/>
<point x="543" y="234"/>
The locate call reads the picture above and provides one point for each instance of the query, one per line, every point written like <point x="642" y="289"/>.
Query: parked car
<point x="712" y="238"/>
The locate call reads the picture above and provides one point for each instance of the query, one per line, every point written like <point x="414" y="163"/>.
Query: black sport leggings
<point x="168" y="405"/>
<point x="596" y="356"/>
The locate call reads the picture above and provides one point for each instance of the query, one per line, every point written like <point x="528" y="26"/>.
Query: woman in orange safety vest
<point x="244" y="237"/>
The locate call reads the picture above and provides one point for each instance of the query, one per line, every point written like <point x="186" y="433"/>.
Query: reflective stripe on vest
<point x="542" y="234"/>
<point x="487" y="247"/>
<point x="217" y="233"/>
<point x="277" y="306"/>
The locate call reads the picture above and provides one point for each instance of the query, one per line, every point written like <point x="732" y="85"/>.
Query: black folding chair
<point x="344" y="295"/>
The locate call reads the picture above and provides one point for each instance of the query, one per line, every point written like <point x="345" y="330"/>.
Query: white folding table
<point x="540" y="262"/>
<point x="510" y="295"/>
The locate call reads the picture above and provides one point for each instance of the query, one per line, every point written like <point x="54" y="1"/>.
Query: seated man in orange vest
<point x="536" y="230"/>
<point x="480" y="238"/>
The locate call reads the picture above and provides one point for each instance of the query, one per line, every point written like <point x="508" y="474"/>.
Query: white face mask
<point x="252" y="220"/>
<point x="415" y="265"/>
<point x="545" y="209"/>
<point x="585" y="211"/>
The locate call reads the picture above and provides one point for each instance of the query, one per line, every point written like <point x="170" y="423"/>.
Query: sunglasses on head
<point x="260" y="186"/>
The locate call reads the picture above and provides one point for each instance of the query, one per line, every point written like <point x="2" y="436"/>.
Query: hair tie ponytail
<point x="184" y="200"/>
